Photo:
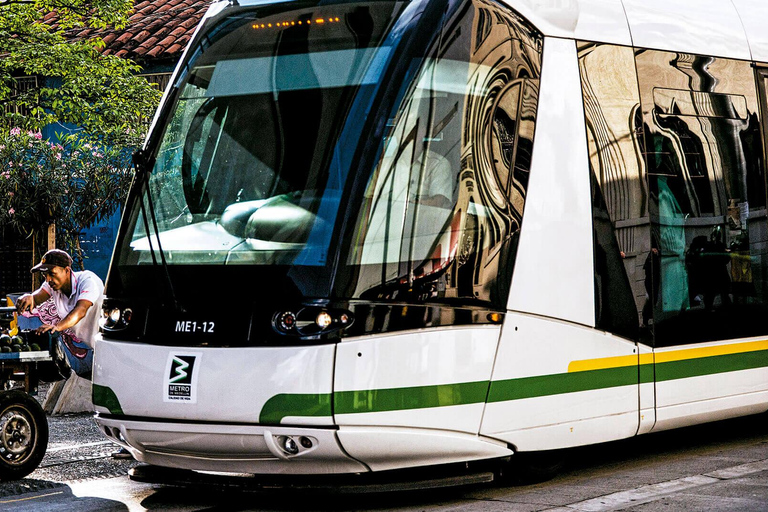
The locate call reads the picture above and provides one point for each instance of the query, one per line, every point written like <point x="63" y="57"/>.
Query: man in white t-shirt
<point x="73" y="310"/>
<point x="77" y="297"/>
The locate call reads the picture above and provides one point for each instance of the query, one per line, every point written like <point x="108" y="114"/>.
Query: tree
<point x="80" y="179"/>
<point x="72" y="184"/>
<point x="100" y="94"/>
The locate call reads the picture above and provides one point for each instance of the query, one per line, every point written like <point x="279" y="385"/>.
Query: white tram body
<point x="633" y="133"/>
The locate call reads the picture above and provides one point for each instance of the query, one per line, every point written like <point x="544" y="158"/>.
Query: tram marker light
<point x="495" y="318"/>
<point x="286" y="321"/>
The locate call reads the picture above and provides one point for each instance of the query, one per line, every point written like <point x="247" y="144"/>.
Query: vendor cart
<point x="23" y="424"/>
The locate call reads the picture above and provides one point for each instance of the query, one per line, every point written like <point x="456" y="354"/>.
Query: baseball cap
<point x="53" y="258"/>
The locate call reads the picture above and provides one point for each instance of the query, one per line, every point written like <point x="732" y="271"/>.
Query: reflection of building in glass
<point x="445" y="204"/>
<point x="680" y="170"/>
<point x="612" y="109"/>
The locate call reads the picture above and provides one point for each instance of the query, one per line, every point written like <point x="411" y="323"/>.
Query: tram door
<point x="706" y="181"/>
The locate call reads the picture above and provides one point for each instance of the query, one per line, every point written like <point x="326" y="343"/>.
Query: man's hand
<point x="45" y="328"/>
<point x="25" y="303"/>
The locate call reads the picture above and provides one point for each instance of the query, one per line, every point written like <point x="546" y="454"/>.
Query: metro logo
<point x="180" y="384"/>
<point x="179" y="367"/>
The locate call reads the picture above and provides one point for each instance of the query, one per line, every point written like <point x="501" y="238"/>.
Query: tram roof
<point x="733" y="29"/>
<point x="709" y="27"/>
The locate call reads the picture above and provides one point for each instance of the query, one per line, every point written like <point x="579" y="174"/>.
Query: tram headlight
<point x="115" y="317"/>
<point x="311" y="321"/>
<point x="289" y="446"/>
<point x="324" y="320"/>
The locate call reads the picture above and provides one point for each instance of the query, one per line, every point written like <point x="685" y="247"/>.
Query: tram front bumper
<point x="231" y="448"/>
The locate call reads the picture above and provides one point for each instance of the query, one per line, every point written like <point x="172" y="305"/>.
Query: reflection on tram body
<point x="704" y="196"/>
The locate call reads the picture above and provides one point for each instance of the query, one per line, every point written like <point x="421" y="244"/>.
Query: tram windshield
<point x="251" y="165"/>
<point x="369" y="151"/>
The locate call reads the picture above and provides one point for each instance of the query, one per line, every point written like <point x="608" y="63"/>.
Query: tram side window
<point x="706" y="178"/>
<point x="619" y="191"/>
<point x="443" y="207"/>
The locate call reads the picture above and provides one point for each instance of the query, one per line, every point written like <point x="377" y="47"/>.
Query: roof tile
<point x="157" y="28"/>
<point x="108" y="39"/>
<point x="154" y="52"/>
<point x="149" y="43"/>
<point x="174" y="48"/>
<point x="168" y="41"/>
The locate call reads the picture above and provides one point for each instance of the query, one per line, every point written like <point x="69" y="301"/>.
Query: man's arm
<point x="29" y="300"/>
<point x="74" y="316"/>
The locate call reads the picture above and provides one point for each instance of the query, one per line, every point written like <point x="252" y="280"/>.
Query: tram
<point x="371" y="235"/>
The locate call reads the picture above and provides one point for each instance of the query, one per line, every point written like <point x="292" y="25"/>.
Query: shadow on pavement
<point x="43" y="496"/>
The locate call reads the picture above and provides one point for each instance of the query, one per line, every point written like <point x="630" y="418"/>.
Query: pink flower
<point x="15" y="131"/>
<point x="11" y="211"/>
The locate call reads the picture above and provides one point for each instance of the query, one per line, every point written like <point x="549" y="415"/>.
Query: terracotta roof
<point x="156" y="29"/>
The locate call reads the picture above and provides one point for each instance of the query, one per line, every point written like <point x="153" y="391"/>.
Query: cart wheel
<point x="23" y="434"/>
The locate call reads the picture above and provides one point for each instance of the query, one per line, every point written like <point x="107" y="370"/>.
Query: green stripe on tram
<point x="465" y="393"/>
<point x="557" y="384"/>
<point x="418" y="397"/>
<point x="295" y="404"/>
<point x="103" y="396"/>
<point x="711" y="365"/>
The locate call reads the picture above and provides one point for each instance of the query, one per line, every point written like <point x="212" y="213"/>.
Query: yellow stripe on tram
<point x="718" y="350"/>
<point x="603" y="363"/>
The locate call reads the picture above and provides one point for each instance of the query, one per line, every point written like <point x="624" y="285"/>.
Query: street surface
<point x="719" y="467"/>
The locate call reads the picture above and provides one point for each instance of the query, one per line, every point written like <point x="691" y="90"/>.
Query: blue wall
<point x="97" y="244"/>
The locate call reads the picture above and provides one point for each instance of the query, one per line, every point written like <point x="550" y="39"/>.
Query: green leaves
<point x="73" y="184"/>
<point x="84" y="178"/>
<point x="78" y="85"/>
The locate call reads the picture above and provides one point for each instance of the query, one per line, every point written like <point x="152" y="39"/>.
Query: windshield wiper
<point x="141" y="164"/>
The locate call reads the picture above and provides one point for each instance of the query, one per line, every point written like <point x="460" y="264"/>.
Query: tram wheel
<point x="23" y="434"/>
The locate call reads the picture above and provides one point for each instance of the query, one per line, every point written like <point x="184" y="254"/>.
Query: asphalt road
<point x="720" y="466"/>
